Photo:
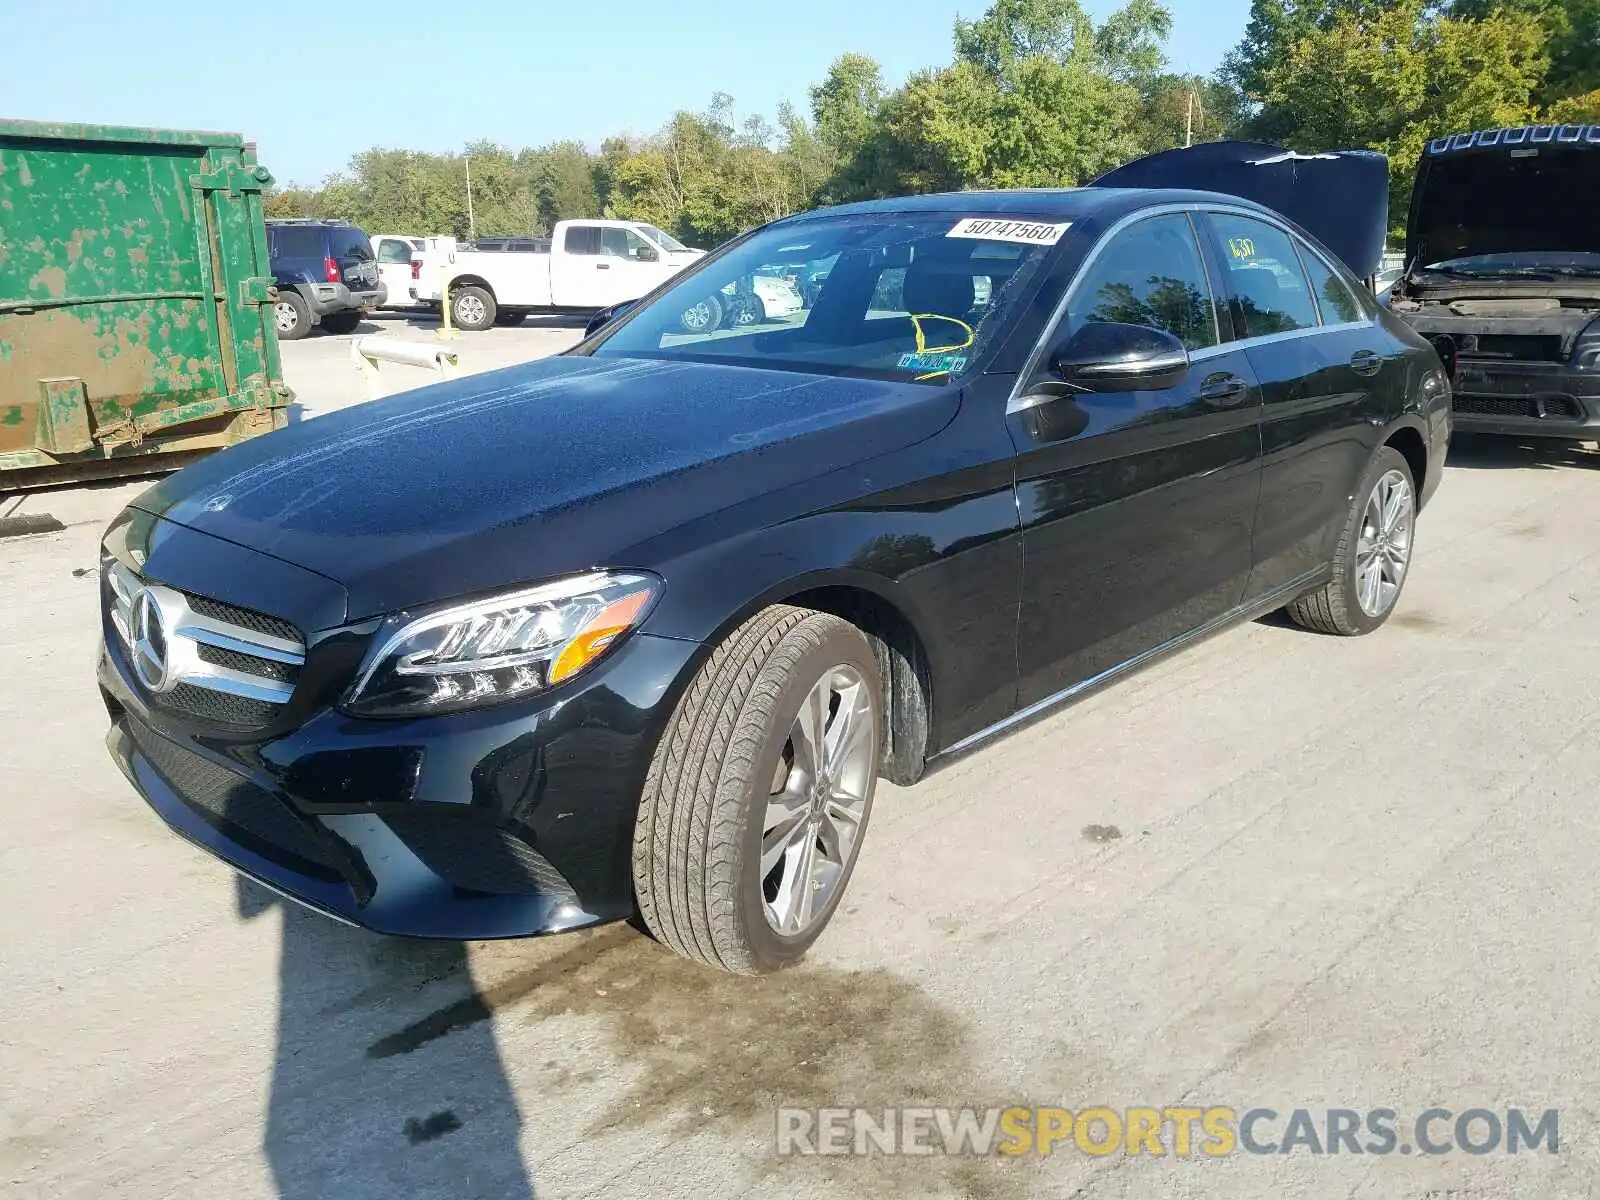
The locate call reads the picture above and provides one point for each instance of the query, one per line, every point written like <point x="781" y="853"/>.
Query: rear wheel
<point x="1373" y="556"/>
<point x="759" y="793"/>
<point x="472" y="308"/>
<point x="342" y="322"/>
<point x="291" y="316"/>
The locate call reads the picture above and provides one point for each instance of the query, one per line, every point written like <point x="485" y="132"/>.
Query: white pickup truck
<point x="590" y="265"/>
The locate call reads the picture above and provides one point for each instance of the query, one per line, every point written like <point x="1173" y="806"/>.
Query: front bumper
<point x="1526" y="399"/>
<point x="505" y="822"/>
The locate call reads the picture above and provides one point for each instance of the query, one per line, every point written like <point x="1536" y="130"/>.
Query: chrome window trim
<point x="1015" y="403"/>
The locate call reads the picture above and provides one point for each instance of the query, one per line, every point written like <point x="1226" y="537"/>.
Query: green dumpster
<point x="135" y="301"/>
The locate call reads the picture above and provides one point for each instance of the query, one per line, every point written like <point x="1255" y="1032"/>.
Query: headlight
<point x="500" y="648"/>
<point x="1586" y="350"/>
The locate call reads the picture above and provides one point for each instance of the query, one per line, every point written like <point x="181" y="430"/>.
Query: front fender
<point x="946" y="558"/>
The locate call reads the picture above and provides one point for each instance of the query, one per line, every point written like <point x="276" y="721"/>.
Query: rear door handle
<point x="602" y="266"/>
<point x="1223" y="390"/>
<point x="1366" y="362"/>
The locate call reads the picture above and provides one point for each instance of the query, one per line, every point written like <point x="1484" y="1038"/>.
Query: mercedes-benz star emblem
<point x="150" y="643"/>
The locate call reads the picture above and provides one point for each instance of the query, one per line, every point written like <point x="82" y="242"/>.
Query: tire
<point x="472" y="308"/>
<point x="726" y="761"/>
<point x="510" y="318"/>
<point x="746" y="312"/>
<point x="1343" y="606"/>
<point x="342" y="322"/>
<point x="291" y="315"/>
<point x="705" y="317"/>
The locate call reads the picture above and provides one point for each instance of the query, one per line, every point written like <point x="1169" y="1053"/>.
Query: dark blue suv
<point x="326" y="274"/>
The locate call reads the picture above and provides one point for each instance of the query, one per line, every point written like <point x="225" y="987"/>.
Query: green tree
<point x="1573" y="31"/>
<point x="1274" y="28"/>
<point x="1396" y="76"/>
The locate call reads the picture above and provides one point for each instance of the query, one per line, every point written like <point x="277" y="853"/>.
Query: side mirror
<point x="648" y="254"/>
<point x="1108" y="357"/>
<point x="605" y="316"/>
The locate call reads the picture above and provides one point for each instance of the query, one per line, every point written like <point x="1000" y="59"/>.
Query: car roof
<point x="1060" y="203"/>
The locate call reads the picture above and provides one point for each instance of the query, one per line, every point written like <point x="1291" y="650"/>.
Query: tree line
<point x="1037" y="94"/>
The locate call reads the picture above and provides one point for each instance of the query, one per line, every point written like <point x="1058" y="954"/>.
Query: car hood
<point x="1504" y="190"/>
<point x="1341" y="197"/>
<point x="534" y="471"/>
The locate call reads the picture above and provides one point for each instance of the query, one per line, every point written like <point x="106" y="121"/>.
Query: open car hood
<point x="1526" y="188"/>
<point x="1340" y="197"/>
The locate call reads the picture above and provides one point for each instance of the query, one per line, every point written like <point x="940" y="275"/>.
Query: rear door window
<point x="582" y="239"/>
<point x="297" y="241"/>
<point x="1267" y="281"/>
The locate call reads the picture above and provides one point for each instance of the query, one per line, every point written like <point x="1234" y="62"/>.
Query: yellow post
<point x="446" y="331"/>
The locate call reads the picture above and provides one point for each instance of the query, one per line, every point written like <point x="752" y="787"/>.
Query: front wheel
<point x="1373" y="556"/>
<point x="704" y="317"/>
<point x="759" y="792"/>
<point x="747" y="311"/>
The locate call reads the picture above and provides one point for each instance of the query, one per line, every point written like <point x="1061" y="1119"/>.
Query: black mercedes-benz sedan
<point x="637" y="629"/>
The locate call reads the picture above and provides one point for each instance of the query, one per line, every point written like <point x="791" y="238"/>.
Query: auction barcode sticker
<point x="993" y="229"/>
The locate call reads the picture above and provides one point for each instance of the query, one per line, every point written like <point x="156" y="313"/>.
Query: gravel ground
<point x="1279" y="871"/>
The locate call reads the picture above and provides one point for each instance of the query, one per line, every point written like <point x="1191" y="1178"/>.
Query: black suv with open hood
<point x="1503" y="276"/>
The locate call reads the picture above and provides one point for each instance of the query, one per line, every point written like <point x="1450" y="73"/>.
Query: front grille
<point x="248" y="664"/>
<point x="1515" y="346"/>
<point x="1495" y="406"/>
<point x="251" y="816"/>
<point x="201" y="657"/>
<point x="474" y="855"/>
<point x="222" y="708"/>
<point x="1559" y="408"/>
<point x="244" y="618"/>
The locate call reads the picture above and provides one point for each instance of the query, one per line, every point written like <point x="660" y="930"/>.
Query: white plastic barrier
<point x="370" y="352"/>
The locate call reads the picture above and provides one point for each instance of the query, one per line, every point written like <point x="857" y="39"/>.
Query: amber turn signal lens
<point x="605" y="627"/>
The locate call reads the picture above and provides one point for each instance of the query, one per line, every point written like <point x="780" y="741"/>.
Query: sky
<point x="314" y="83"/>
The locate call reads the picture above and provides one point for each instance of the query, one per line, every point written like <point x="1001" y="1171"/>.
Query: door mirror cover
<point x="1111" y="357"/>
<point x="605" y="316"/>
<point x="648" y="254"/>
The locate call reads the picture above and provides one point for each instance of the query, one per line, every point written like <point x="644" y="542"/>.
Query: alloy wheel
<point x="285" y="316"/>
<point x="811" y="830"/>
<point x="1383" y="549"/>
<point x="469" y="310"/>
<point x="698" y="318"/>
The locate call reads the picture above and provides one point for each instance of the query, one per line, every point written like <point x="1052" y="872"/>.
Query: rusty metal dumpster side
<point x="135" y="301"/>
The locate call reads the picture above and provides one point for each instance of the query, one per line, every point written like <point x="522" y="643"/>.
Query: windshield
<point x="882" y="295"/>
<point x="662" y="238"/>
<point x="1527" y="264"/>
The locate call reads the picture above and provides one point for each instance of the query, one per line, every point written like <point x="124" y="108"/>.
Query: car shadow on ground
<point x="438" y="1124"/>
<point x="1484" y="452"/>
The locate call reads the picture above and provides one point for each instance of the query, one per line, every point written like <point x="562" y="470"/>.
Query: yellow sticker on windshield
<point x="992" y="229"/>
<point x="1241" y="247"/>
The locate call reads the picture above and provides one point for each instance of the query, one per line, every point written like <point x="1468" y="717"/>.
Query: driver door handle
<point x="602" y="266"/>
<point x="1366" y="362"/>
<point x="1223" y="390"/>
